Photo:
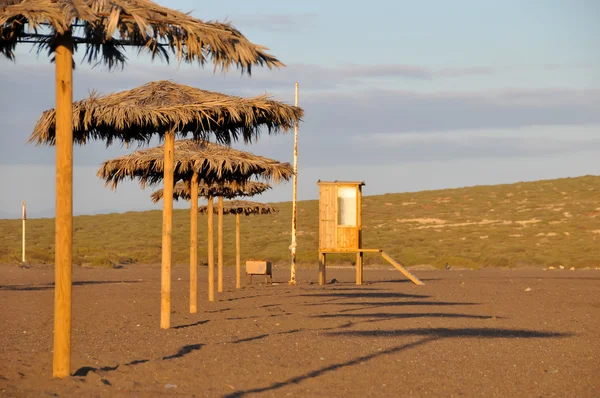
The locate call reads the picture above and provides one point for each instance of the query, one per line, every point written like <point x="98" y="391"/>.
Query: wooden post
<point x="194" y="245"/>
<point x="322" y="275"/>
<point x="360" y="254"/>
<point x="165" y="276"/>
<point x="292" y="280"/>
<point x="211" y="254"/>
<point x="359" y="268"/>
<point x="64" y="206"/>
<point x="24" y="217"/>
<point x="238" y="271"/>
<point x="220" y="245"/>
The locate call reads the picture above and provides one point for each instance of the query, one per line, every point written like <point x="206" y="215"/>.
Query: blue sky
<point x="404" y="95"/>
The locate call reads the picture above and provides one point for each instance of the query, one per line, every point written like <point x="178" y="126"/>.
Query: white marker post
<point x="24" y="217"/>
<point x="294" y="195"/>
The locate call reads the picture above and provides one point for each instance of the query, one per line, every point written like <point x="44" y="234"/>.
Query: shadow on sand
<point x="390" y="315"/>
<point x="48" y="286"/>
<point x="428" y="335"/>
<point x="84" y="370"/>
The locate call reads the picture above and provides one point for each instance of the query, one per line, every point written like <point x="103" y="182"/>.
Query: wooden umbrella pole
<point x="194" y="245"/>
<point x="24" y="218"/>
<point x="211" y="254"/>
<point x="220" y="245"/>
<point x="292" y="280"/>
<point x="238" y="272"/>
<point x="64" y="206"/>
<point x="165" y="291"/>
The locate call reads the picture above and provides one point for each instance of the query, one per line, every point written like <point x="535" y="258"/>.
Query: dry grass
<point x="136" y="236"/>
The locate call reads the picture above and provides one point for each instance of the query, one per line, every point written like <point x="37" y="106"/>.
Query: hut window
<point x="346" y="198"/>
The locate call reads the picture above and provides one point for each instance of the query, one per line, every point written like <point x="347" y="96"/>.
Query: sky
<point x="403" y="95"/>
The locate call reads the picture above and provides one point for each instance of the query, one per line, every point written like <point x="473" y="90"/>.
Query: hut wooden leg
<point x="238" y="266"/>
<point x="359" y="268"/>
<point x="211" y="254"/>
<point x="220" y="245"/>
<point x="165" y="291"/>
<point x="322" y="276"/>
<point x="194" y="245"/>
<point x="64" y="208"/>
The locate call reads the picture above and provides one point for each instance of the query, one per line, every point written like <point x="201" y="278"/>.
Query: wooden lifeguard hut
<point x="340" y="227"/>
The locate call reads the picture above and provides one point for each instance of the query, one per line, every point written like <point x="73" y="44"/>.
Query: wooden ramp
<point x="400" y="268"/>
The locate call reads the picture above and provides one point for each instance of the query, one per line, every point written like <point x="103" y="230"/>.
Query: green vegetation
<point x="543" y="223"/>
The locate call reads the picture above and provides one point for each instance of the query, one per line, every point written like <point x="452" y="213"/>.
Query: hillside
<point x="553" y="222"/>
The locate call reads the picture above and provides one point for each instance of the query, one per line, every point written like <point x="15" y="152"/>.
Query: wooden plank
<point x="347" y="238"/>
<point x="400" y="268"/>
<point x="327" y="213"/>
<point x="334" y="251"/>
<point x="326" y="183"/>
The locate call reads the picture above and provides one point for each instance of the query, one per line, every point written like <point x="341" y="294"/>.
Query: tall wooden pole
<point x="220" y="245"/>
<point x="64" y="206"/>
<point x="165" y="276"/>
<point x="211" y="254"/>
<point x="238" y="271"/>
<point x="359" y="255"/>
<point x="194" y="245"/>
<point x="24" y="217"/>
<point x="294" y="196"/>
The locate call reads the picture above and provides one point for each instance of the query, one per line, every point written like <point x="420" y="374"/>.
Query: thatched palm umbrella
<point x="106" y="28"/>
<point x="182" y="190"/>
<point x="166" y="108"/>
<point x="238" y="207"/>
<point x="227" y="190"/>
<point x="194" y="163"/>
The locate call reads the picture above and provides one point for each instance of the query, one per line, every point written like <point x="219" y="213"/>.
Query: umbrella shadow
<point x="388" y="315"/>
<point x="383" y="304"/>
<point x="186" y="349"/>
<point x="366" y="295"/>
<point x="330" y="368"/>
<point x="428" y="336"/>
<point x="85" y="370"/>
<point x="49" y="286"/>
<point x="191" y="324"/>
<point x="453" y="333"/>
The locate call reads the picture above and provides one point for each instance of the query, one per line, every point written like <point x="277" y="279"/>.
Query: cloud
<point x="335" y="116"/>
<point x="276" y="22"/>
<point x="477" y="144"/>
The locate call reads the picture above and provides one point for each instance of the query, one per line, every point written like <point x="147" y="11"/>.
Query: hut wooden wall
<point x="334" y="237"/>
<point x="327" y="217"/>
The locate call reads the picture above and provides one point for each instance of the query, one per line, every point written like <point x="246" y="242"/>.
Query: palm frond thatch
<point x="163" y="106"/>
<point x="107" y="27"/>
<point x="229" y="190"/>
<point x="212" y="162"/>
<point x="241" y="207"/>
